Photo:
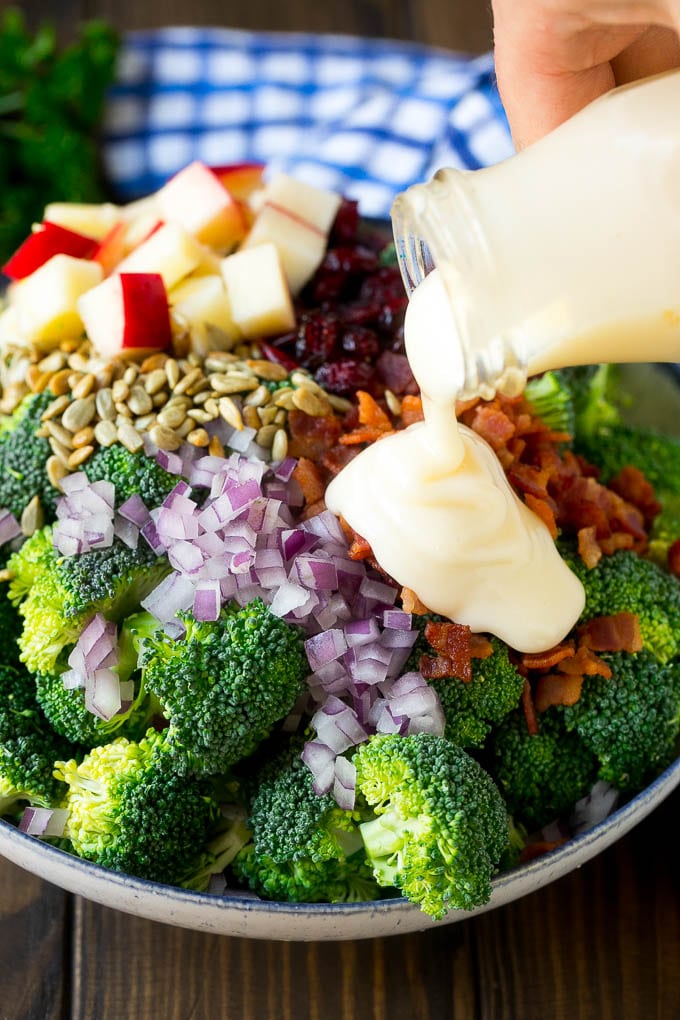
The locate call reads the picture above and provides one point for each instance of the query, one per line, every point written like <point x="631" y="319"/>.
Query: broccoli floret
<point x="290" y="822"/>
<point x="540" y="775"/>
<point x="128" y="811"/>
<point x="28" y="748"/>
<point x="549" y="396"/>
<point x="630" y="721"/>
<point x="472" y="708"/>
<point x="130" y="474"/>
<point x="225" y="684"/>
<point x="23" y="457"/>
<point x="440" y="826"/>
<point x="66" y="709"/>
<point x="60" y="594"/>
<point x="665" y="529"/>
<point x="347" y="880"/>
<point x="593" y="389"/>
<point x="627" y="583"/>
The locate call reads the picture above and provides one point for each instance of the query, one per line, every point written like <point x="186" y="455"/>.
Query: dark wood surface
<point x="601" y="944"/>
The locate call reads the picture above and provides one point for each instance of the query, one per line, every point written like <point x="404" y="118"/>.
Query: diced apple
<point x="48" y="239"/>
<point x="111" y="250"/>
<point x="241" y="179"/>
<point x="127" y="314"/>
<point x="259" y="294"/>
<point x="9" y="329"/>
<point x="204" y="299"/>
<point x="46" y="301"/>
<point x="313" y="205"/>
<point x="197" y="200"/>
<point x="86" y="218"/>
<point x="170" y="251"/>
<point x="300" y="245"/>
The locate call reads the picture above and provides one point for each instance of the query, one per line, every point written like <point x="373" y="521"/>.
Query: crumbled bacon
<point x="557" y="689"/>
<point x="632" y="485"/>
<point x="308" y="477"/>
<point x="585" y="663"/>
<point x="411" y="603"/>
<point x="543" y="510"/>
<point x="312" y="436"/>
<point x="452" y="642"/>
<point x="619" y="632"/>
<point x="480" y="647"/>
<point x="538" y="849"/>
<point x="549" y="658"/>
<point x="411" y="410"/>
<point x="493" y="424"/>
<point x="529" y="709"/>
<point x="589" y="551"/>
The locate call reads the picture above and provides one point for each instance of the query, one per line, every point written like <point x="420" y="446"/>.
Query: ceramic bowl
<point x="656" y="402"/>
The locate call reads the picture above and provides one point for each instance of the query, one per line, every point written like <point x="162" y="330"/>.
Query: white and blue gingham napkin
<point x="363" y="117"/>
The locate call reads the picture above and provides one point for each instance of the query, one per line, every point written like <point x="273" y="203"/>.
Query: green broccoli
<point x="471" y="708"/>
<point x="10" y="628"/>
<point x="225" y="684"/>
<point x="290" y="822"/>
<point x="345" y="880"/>
<point x="58" y="595"/>
<point x="28" y="748"/>
<point x="66" y="709"/>
<point x="627" y="583"/>
<point x="131" y="474"/>
<point x="631" y="721"/>
<point x="540" y="775"/>
<point x="604" y="439"/>
<point x="130" y="812"/>
<point x="550" y="399"/>
<point x="665" y="529"/>
<point x="441" y="824"/>
<point x="23" y="457"/>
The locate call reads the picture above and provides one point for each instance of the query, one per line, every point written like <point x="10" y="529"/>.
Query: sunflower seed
<point x="130" y="438"/>
<point x="105" y="433"/>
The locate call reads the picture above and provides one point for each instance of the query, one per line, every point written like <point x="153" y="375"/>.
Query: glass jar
<point x="567" y="252"/>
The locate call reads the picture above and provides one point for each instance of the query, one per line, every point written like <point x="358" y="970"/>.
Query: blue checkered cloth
<point x="365" y="117"/>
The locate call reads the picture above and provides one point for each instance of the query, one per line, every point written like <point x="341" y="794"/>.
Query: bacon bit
<point x="465" y="405"/>
<point x="313" y="509"/>
<point x="411" y="410"/>
<point x="549" y="658"/>
<point x="452" y="641"/>
<point x="338" y="457"/>
<point x="619" y="632"/>
<point x="309" y="479"/>
<point x="674" y="558"/>
<point x="632" y="485"/>
<point x="359" y="549"/>
<point x="585" y="663"/>
<point x="588" y="549"/>
<point x="533" y="850"/>
<point x="480" y="647"/>
<point x="371" y="413"/>
<point x="557" y="689"/>
<point x="529" y="710"/>
<point x="530" y="479"/>
<point x="311" y="436"/>
<point x="365" y="434"/>
<point x="542" y="509"/>
<point x="493" y="424"/>
<point x="410" y="603"/>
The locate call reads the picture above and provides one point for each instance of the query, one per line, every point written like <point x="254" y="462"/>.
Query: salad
<point x="206" y="678"/>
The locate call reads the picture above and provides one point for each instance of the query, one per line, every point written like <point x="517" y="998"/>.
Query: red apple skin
<point x="146" y="315"/>
<point x="40" y="246"/>
<point x="240" y="179"/>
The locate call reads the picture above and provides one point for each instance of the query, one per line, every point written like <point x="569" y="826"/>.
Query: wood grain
<point x="34" y="947"/>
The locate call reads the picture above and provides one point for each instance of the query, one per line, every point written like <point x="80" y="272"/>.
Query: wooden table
<point x="601" y="944"/>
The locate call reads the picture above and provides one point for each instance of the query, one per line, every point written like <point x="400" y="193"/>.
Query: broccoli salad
<point x="206" y="678"/>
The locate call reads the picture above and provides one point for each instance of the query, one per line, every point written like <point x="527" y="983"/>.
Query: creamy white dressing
<point x="434" y="503"/>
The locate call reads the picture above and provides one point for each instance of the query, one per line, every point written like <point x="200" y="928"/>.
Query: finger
<point x="656" y="50"/>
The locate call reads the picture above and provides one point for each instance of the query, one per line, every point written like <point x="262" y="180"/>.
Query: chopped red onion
<point x="344" y="785"/>
<point x="320" y="760"/>
<point x="150" y="534"/>
<point x="37" y="821"/>
<point x="126" y="531"/>
<point x="102" y="695"/>
<point x="361" y="632"/>
<point x="169" y="597"/>
<point x="378" y="590"/>
<point x="207" y="600"/>
<point x="9" y="527"/>
<point x="397" y="619"/>
<point x="315" y="572"/>
<point x="594" y="807"/>
<point x="285" y="469"/>
<point x="295" y="541"/>
<point x="74" y="482"/>
<point x="287" y="598"/>
<point x="134" y="510"/>
<point x="323" y="648"/>
<point x="241" y="440"/>
<point x="73" y="679"/>
<point x="170" y="462"/>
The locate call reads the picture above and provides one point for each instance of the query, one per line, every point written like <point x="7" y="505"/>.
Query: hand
<point x="553" y="57"/>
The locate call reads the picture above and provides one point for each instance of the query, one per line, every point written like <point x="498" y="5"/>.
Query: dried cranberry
<point x="361" y="342"/>
<point x="344" y="376"/>
<point x="336" y="273"/>
<point x="385" y="287"/>
<point x="316" y="339"/>
<point x="359" y="314"/>
<point x="278" y="356"/>
<point x="346" y="224"/>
